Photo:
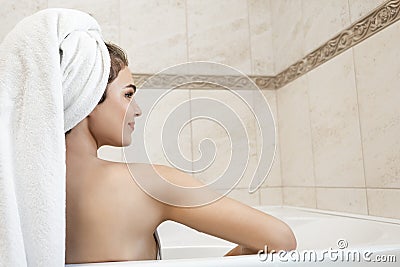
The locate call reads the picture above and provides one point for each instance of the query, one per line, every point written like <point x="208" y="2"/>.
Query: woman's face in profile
<point x="107" y="122"/>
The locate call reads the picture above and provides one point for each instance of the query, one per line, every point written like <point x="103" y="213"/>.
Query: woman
<point x="109" y="217"/>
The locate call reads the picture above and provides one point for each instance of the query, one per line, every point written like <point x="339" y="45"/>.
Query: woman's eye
<point x="129" y="95"/>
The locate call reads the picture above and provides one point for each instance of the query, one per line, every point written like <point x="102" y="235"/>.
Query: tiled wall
<point x="193" y="133"/>
<point x="340" y="126"/>
<point x="300" y="26"/>
<point x="159" y="34"/>
<point x="337" y="126"/>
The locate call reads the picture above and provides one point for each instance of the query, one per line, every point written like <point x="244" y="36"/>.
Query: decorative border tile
<point x="381" y="17"/>
<point x="202" y="81"/>
<point x="378" y="19"/>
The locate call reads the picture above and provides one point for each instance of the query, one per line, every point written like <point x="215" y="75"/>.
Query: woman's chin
<point x="126" y="142"/>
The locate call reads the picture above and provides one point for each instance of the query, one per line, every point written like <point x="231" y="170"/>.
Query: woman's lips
<point x="132" y="125"/>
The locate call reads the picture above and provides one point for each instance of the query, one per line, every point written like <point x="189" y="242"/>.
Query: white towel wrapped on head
<point x="54" y="68"/>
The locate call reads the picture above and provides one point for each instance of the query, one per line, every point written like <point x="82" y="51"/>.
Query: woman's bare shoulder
<point x="119" y="185"/>
<point x="127" y="172"/>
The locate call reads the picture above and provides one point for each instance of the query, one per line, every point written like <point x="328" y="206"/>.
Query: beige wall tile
<point x="352" y="200"/>
<point x="12" y="12"/>
<point x="229" y="142"/>
<point x="106" y="12"/>
<point x="288" y="33"/>
<point x="360" y="8"/>
<point x="147" y="145"/>
<point x="261" y="37"/>
<point x="323" y="20"/>
<point x="384" y="202"/>
<point x="274" y="177"/>
<point x="299" y="196"/>
<point x="335" y="124"/>
<point x="245" y="197"/>
<point x="219" y="31"/>
<point x="378" y="76"/>
<point x="153" y="33"/>
<point x="214" y="153"/>
<point x="295" y="134"/>
<point x="271" y="196"/>
<point x="110" y="153"/>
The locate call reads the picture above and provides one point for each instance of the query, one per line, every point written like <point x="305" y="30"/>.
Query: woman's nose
<point x="138" y="111"/>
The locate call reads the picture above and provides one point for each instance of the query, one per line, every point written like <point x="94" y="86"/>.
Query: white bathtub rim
<point x="211" y="261"/>
<point x="166" y="261"/>
<point x="335" y="213"/>
<point x="377" y="249"/>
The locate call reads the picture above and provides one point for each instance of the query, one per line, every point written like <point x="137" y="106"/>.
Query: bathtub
<point x="323" y="237"/>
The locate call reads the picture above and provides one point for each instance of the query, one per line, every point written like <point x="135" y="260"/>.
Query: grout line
<point x="252" y="71"/>
<point x="191" y="128"/>
<point x="360" y="129"/>
<point x="343" y="187"/>
<point x="274" y="60"/>
<point x="279" y="143"/>
<point x="366" y="196"/>
<point x="190" y="90"/>
<point x="253" y="105"/>
<point x="359" y="115"/>
<point x="311" y="136"/>
<point x="187" y="32"/>
<point x="257" y="141"/>
<point x="119" y="21"/>
<point x="249" y="38"/>
<point x="303" y="22"/>
<point x="269" y="23"/>
<point x="348" y="6"/>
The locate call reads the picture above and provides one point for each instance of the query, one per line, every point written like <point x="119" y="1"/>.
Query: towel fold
<point x="54" y="67"/>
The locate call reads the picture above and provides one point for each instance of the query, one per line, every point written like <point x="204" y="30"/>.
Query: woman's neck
<point x="80" y="144"/>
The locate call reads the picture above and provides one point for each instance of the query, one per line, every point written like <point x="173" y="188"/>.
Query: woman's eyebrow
<point x="131" y="86"/>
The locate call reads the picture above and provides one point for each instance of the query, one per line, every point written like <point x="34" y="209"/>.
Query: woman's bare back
<point x="109" y="218"/>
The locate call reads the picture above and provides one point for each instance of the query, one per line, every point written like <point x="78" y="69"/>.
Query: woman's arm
<point x="229" y="219"/>
<point x="240" y="250"/>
